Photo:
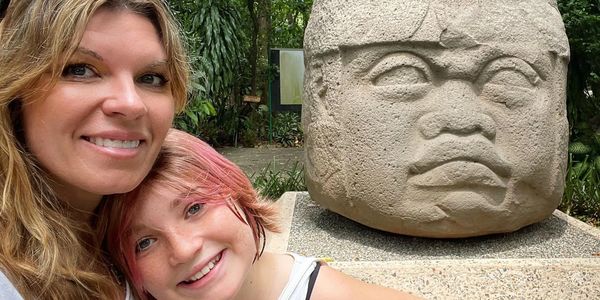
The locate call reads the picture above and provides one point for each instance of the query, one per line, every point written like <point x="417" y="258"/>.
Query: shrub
<point x="287" y="129"/>
<point x="273" y="183"/>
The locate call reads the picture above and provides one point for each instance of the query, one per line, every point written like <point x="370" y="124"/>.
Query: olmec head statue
<point x="436" y="118"/>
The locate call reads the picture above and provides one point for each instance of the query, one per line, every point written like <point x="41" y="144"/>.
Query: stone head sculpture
<point x="437" y="118"/>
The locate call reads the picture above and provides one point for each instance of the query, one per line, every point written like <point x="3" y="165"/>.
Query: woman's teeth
<point x="114" y="143"/>
<point x="211" y="264"/>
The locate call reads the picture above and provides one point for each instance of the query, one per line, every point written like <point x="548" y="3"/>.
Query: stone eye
<point x="509" y="72"/>
<point x="510" y="82"/>
<point x="400" y="69"/>
<point x="401" y="75"/>
<point x="510" y="78"/>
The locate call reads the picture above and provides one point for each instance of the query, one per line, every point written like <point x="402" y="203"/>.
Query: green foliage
<point x="254" y="126"/>
<point x="287" y="129"/>
<point x="582" y="189"/>
<point x="273" y="183"/>
<point x="582" y="23"/>
<point x="228" y="62"/>
<point x="197" y="110"/>
<point x="582" y="186"/>
<point x="289" y="18"/>
<point x="213" y="31"/>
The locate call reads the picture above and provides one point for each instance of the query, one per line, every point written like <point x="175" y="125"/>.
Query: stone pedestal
<point x="557" y="258"/>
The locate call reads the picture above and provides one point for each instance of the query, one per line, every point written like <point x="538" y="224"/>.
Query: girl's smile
<point x="188" y="249"/>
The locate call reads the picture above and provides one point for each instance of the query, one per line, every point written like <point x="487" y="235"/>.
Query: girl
<point x="88" y="90"/>
<point x="194" y="229"/>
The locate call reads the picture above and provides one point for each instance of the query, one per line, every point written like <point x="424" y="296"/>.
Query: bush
<point x="582" y="23"/>
<point x="272" y="184"/>
<point x="254" y="126"/>
<point x="287" y="129"/>
<point x="582" y="186"/>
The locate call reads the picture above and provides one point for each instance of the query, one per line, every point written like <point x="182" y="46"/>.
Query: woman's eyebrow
<point x="158" y="65"/>
<point x="88" y="52"/>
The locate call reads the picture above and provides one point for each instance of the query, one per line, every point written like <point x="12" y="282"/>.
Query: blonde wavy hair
<point x="44" y="250"/>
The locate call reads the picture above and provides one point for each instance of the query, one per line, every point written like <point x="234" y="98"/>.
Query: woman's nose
<point x="124" y="100"/>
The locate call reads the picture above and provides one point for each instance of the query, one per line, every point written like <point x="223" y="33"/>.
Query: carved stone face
<point x="443" y="120"/>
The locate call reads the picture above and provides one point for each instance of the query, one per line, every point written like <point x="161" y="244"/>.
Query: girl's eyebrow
<point x="181" y="197"/>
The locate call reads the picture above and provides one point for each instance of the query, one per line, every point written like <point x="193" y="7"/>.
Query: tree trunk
<point x="263" y="41"/>
<point x="252" y="59"/>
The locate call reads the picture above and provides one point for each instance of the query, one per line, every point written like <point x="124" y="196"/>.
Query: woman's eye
<point x="144" y="244"/>
<point x="155" y="80"/>
<point x="194" y="209"/>
<point x="78" y="71"/>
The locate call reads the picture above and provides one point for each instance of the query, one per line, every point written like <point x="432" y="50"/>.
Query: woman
<point x="88" y="90"/>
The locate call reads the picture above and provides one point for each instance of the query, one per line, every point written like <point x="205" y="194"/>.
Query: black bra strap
<point x="312" y="279"/>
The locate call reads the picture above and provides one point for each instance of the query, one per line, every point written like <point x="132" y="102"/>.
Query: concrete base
<point x="554" y="259"/>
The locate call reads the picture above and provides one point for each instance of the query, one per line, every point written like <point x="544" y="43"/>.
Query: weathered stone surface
<point x="436" y="118"/>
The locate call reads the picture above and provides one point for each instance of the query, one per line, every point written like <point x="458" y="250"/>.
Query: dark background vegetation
<point x="229" y="42"/>
<point x="582" y="188"/>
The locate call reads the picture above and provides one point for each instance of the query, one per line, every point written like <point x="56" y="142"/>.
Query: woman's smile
<point x="100" y="127"/>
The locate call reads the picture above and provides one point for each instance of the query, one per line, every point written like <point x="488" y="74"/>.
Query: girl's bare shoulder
<point x="332" y="284"/>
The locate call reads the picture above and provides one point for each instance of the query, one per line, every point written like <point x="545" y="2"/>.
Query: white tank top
<point x="297" y="285"/>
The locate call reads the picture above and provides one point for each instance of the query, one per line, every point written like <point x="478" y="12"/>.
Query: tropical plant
<point x="213" y="30"/>
<point x="287" y="129"/>
<point x="273" y="183"/>
<point x="289" y="18"/>
<point x="254" y="126"/>
<point x="582" y="23"/>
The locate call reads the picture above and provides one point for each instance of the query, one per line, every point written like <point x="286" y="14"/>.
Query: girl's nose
<point x="184" y="248"/>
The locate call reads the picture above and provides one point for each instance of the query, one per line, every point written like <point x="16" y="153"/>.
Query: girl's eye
<point x="78" y="71"/>
<point x="143" y="244"/>
<point x="194" y="209"/>
<point x="155" y="80"/>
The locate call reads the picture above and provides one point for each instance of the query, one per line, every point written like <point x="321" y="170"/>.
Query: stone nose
<point x="460" y="113"/>
<point x="457" y="122"/>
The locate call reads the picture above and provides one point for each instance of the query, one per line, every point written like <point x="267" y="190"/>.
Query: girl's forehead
<point x="164" y="192"/>
<point x="155" y="204"/>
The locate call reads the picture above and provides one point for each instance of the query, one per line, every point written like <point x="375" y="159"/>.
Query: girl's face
<point x="189" y="249"/>
<point x="100" y="128"/>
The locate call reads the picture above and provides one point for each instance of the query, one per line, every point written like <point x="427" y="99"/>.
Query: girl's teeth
<point x="204" y="270"/>
<point x="115" y="143"/>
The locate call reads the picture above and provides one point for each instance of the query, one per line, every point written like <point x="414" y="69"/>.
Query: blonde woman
<point x="88" y="91"/>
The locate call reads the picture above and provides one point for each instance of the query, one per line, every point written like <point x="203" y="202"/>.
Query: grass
<point x="581" y="198"/>
<point x="273" y="183"/>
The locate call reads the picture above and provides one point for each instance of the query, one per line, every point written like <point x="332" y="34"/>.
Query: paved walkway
<point x="252" y="160"/>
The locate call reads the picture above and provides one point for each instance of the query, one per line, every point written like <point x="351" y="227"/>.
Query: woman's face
<point x="100" y="128"/>
<point x="187" y="248"/>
